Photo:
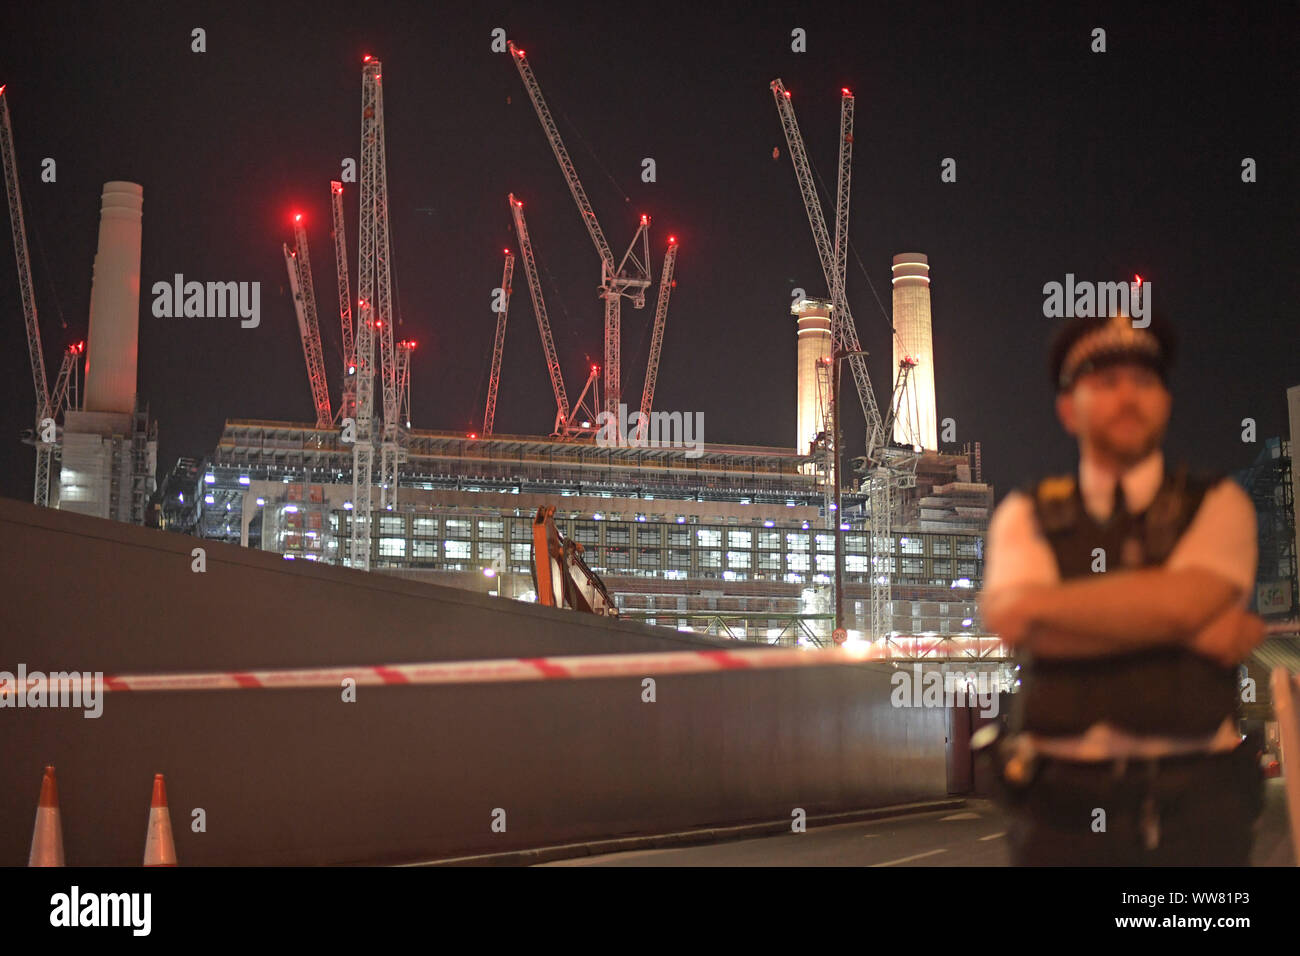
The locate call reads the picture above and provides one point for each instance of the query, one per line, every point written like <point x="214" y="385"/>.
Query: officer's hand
<point x="1230" y="637"/>
<point x="1008" y="615"/>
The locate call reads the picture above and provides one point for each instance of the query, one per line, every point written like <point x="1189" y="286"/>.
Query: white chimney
<point x="115" y="302"/>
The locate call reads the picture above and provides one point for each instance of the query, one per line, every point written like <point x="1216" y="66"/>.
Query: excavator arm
<point x="560" y="577"/>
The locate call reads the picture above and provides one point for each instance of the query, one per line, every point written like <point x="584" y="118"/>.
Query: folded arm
<point x="1111" y="613"/>
<point x="1194" y="599"/>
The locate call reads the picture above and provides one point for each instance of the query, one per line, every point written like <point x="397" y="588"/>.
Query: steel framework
<point x="298" y="263"/>
<point x="36" y="355"/>
<point x="539" y="310"/>
<point x="499" y="343"/>
<point x="666" y="284"/>
<point x="616" y="281"/>
<point x="348" y="397"/>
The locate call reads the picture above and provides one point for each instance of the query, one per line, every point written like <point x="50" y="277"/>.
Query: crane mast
<point x="298" y="263"/>
<point x="498" y="344"/>
<point x="887" y="468"/>
<point x="844" y="335"/>
<point x="372" y="306"/>
<point x="615" y="279"/>
<point x="404" y="350"/>
<point x="64" y="395"/>
<point x="539" y="310"/>
<point x="657" y="337"/>
<point x="36" y="355"/>
<point x="348" y="399"/>
<point x="374" y="273"/>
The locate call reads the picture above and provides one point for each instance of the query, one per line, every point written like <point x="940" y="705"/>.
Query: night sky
<point x="1068" y="161"/>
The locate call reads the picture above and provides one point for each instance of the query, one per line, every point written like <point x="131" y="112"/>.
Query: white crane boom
<point x="498" y="344"/>
<point x="372" y="276"/>
<point x="348" y="402"/>
<point x="298" y="262"/>
<point x="539" y="310"/>
<point x="374" y="273"/>
<point x="404" y="350"/>
<point x="562" y="157"/>
<point x="844" y="333"/>
<point x="657" y="337"/>
<point x="615" y="280"/>
<point x="35" y="354"/>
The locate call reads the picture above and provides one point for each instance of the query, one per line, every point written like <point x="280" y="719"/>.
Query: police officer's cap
<point x="1085" y="345"/>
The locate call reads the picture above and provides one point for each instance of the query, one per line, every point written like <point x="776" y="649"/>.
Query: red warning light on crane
<point x="2" y="88"/>
<point x="787" y="94"/>
<point x="366" y="59"/>
<point x="336" y="188"/>
<point x="845" y="91"/>
<point x="1137" y="278"/>
<point x="297" y="217"/>
<point x="518" y="52"/>
<point x="644" y="219"/>
<point x="672" y="240"/>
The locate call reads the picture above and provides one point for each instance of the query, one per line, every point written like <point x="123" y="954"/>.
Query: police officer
<point x="1122" y="590"/>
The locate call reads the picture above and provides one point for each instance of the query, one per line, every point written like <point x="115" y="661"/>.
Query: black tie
<point x="1119" y="510"/>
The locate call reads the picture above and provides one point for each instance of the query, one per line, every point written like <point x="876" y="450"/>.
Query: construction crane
<point x="374" y="275"/>
<point x="499" y="343"/>
<point x="35" y="354"/>
<point x="404" y="350"/>
<point x="64" y="396"/>
<point x="629" y="276"/>
<point x="887" y="465"/>
<point x="348" y="398"/>
<point x="372" y="304"/>
<point x="298" y="263"/>
<point x="844" y="335"/>
<point x="666" y="284"/>
<point x="539" y="310"/>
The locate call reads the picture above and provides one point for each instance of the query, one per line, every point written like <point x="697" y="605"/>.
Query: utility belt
<point x="1022" y="775"/>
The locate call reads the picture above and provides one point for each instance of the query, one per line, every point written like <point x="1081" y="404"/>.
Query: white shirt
<point x="1220" y="538"/>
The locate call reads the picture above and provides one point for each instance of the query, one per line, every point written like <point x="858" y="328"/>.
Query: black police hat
<point x="1085" y="344"/>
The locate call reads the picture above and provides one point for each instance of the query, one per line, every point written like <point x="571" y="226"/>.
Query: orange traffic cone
<point x="47" y="837"/>
<point x="158" y="847"/>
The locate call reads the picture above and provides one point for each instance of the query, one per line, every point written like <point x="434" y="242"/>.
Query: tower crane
<point x="298" y="263"/>
<point x="404" y="350"/>
<point x="64" y="395"/>
<point x="374" y="272"/>
<point x="666" y="284"/>
<point x="373" y="304"/>
<point x="348" y="399"/>
<point x="887" y="465"/>
<point x="498" y="344"/>
<point x="629" y="276"/>
<point x="539" y="310"/>
<point x="44" y="407"/>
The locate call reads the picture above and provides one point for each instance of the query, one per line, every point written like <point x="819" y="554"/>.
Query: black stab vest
<point x="1166" y="691"/>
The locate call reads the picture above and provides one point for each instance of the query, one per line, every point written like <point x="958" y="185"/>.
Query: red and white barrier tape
<point x="577" y="667"/>
<point x="491" y="671"/>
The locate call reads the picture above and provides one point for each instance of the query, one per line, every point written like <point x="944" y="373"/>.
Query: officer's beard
<point x="1126" y="453"/>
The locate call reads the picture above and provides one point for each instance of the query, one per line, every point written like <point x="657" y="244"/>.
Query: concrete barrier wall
<point x="405" y="773"/>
